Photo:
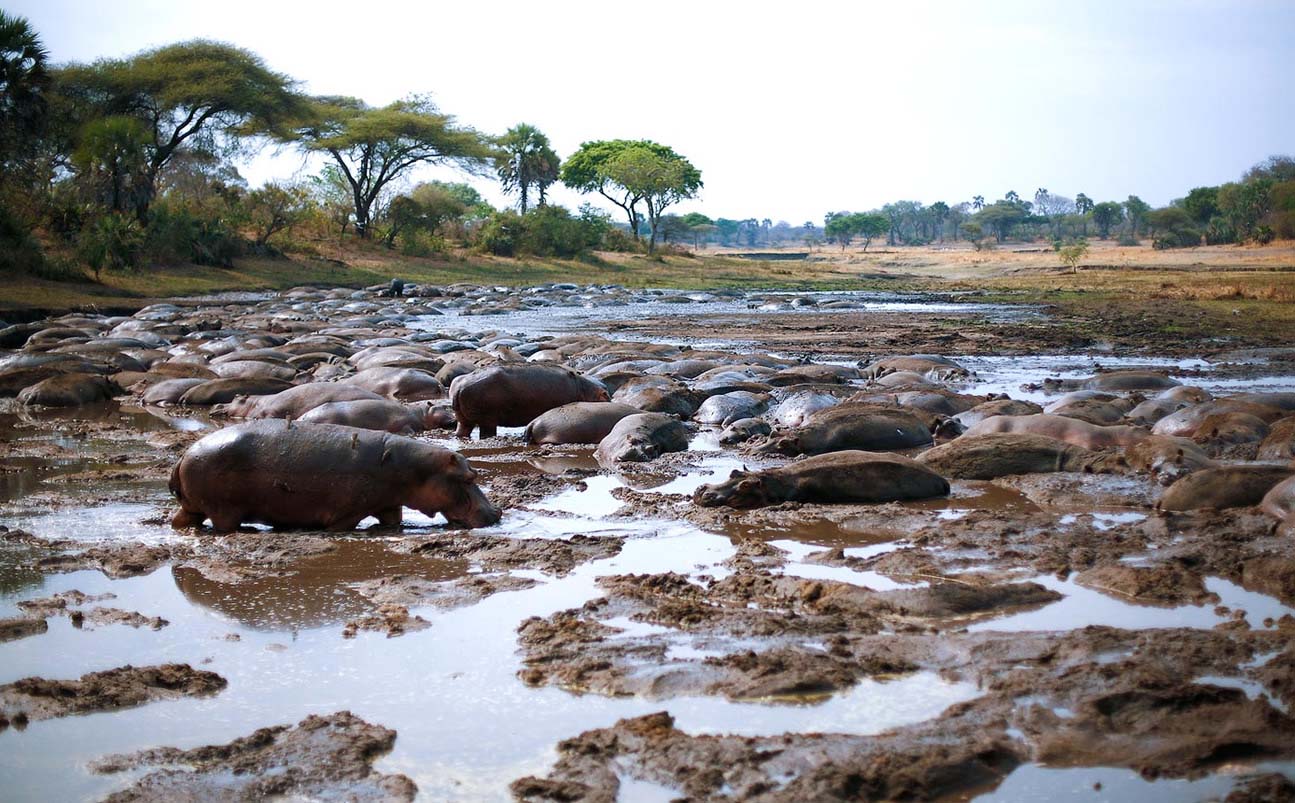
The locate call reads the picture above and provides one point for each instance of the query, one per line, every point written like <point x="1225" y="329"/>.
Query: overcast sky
<point x="791" y="109"/>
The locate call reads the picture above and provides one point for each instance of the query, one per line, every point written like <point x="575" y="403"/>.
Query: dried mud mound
<point x="321" y="758"/>
<point x="110" y="690"/>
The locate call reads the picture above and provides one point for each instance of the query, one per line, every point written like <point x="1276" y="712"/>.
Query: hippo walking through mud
<point x="321" y="476"/>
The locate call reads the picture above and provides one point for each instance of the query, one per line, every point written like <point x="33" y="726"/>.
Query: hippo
<point x="577" y="422"/>
<point x="293" y="402"/>
<point x="514" y="395"/>
<point x="401" y="384"/>
<point x="224" y="391"/>
<point x="845" y="477"/>
<point x="321" y="476"/>
<point x="814" y="373"/>
<point x="990" y="409"/>
<point x="1279" y="503"/>
<point x="984" y="457"/>
<point x="728" y="407"/>
<point x="1222" y="429"/>
<point x="641" y="438"/>
<point x="1070" y="430"/>
<point x="70" y="390"/>
<point x="852" y="425"/>
<point x="1280" y="443"/>
<point x="744" y="430"/>
<point x="674" y="399"/>
<point x="1115" y="381"/>
<point x="1166" y="458"/>
<point x="254" y="369"/>
<point x="904" y="379"/>
<point x="1224" y="486"/>
<point x="794" y="410"/>
<point x="1150" y="411"/>
<point x="169" y="391"/>
<point x="929" y="366"/>
<point x="383" y="415"/>
<point x="1186" y="421"/>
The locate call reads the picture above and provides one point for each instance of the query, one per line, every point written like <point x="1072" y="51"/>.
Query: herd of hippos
<point x="330" y="385"/>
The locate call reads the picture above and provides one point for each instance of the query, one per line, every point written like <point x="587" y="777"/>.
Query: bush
<point x="501" y="234"/>
<point x="546" y="231"/>
<point x="1219" y="232"/>
<point x="620" y="241"/>
<point x="1177" y="238"/>
<point x="19" y="250"/>
<point x="1264" y="235"/>
<point x="59" y="269"/>
<point x="1127" y="239"/>
<point x="423" y="244"/>
<point x="114" y="242"/>
<point x="177" y="235"/>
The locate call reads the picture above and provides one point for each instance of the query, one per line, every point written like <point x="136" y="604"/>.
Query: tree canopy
<point x="374" y="147"/>
<point x="199" y="95"/>
<point x="598" y="167"/>
<point x="24" y="83"/>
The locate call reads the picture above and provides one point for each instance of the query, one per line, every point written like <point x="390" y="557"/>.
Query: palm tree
<point x="977" y="202"/>
<point x="23" y="81"/>
<point x="526" y="160"/>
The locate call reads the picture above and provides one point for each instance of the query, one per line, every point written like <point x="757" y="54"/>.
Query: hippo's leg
<point x="488" y="431"/>
<point x="183" y="519"/>
<point x="391" y="517"/>
<point x="226" y="522"/>
<point x="343" y="524"/>
<point x="464" y="429"/>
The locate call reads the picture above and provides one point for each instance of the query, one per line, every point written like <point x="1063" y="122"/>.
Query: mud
<point x="322" y="757"/>
<point x="36" y="699"/>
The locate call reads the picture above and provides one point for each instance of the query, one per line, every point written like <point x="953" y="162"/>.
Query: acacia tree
<point x="526" y="160"/>
<point x="1105" y="215"/>
<point x="373" y="147"/>
<point x="199" y="95"/>
<point x="1136" y="209"/>
<point x="656" y="175"/>
<point x="589" y="170"/>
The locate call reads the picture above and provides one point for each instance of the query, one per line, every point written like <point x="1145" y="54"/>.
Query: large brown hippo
<point x="1186" y="421"/>
<point x="1117" y="381"/>
<point x="837" y="478"/>
<point x="1279" y="503"/>
<point x="169" y="391"/>
<point x="224" y="391"/>
<point x="1070" y="430"/>
<point x="321" y="476"/>
<point x="70" y="390"/>
<point x="984" y="457"/>
<point x="1224" y="486"/>
<point x="577" y="422"/>
<point x="293" y="402"/>
<point x="929" y="366"/>
<point x="641" y="438"/>
<point x="1280" y="443"/>
<point x="383" y="415"/>
<point x="996" y="407"/>
<point x="852" y="425"/>
<point x="514" y="395"/>
<point x="401" y="384"/>
<point x="1167" y="458"/>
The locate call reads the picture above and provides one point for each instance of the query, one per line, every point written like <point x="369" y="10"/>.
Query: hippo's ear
<point x="736" y="473"/>
<point x="749" y="484"/>
<point x="457" y="468"/>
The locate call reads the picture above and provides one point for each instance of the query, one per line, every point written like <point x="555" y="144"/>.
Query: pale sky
<point x="790" y="109"/>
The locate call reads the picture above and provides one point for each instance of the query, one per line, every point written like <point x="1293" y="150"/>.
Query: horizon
<point x="1038" y="120"/>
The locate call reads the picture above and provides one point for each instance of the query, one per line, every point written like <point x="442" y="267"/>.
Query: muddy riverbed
<point x="1048" y="635"/>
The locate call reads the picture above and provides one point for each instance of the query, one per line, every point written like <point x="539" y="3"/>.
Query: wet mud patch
<point x="322" y="757"/>
<point x="32" y="699"/>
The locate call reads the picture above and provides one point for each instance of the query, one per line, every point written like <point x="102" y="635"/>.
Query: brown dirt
<point x="321" y="758"/>
<point x="113" y="689"/>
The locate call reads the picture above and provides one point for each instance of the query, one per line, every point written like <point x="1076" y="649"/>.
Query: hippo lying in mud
<point x="837" y="478"/>
<point x="378" y="414"/>
<point x="514" y="395"/>
<point x="1070" y="430"/>
<point x="1279" y="503"/>
<point x="1224" y="486"/>
<point x="984" y="457"/>
<point x="293" y="402"/>
<point x="578" y="422"/>
<point x="321" y="476"/>
<point x="641" y="438"/>
<point x="70" y="390"/>
<point x="851" y="425"/>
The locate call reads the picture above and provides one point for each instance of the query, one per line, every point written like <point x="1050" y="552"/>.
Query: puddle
<point x="1082" y="607"/>
<point x="1033" y="782"/>
<point x="796" y="567"/>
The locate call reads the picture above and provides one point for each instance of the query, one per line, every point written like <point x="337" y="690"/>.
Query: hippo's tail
<point x="174" y="482"/>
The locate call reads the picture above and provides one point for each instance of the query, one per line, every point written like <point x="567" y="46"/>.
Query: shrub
<point x="114" y="242"/>
<point x="176" y="235"/>
<point x="501" y="234"/>
<point x="1186" y="237"/>
<point x="1127" y="239"/>
<point x="422" y="244"/>
<point x="19" y="250"/>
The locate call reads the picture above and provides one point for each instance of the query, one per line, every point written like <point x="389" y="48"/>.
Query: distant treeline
<point x="1259" y="207"/>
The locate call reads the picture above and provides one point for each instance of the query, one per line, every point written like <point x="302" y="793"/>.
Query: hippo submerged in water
<point x="321" y="476"/>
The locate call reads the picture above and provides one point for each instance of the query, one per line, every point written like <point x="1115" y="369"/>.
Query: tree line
<point x="123" y="162"/>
